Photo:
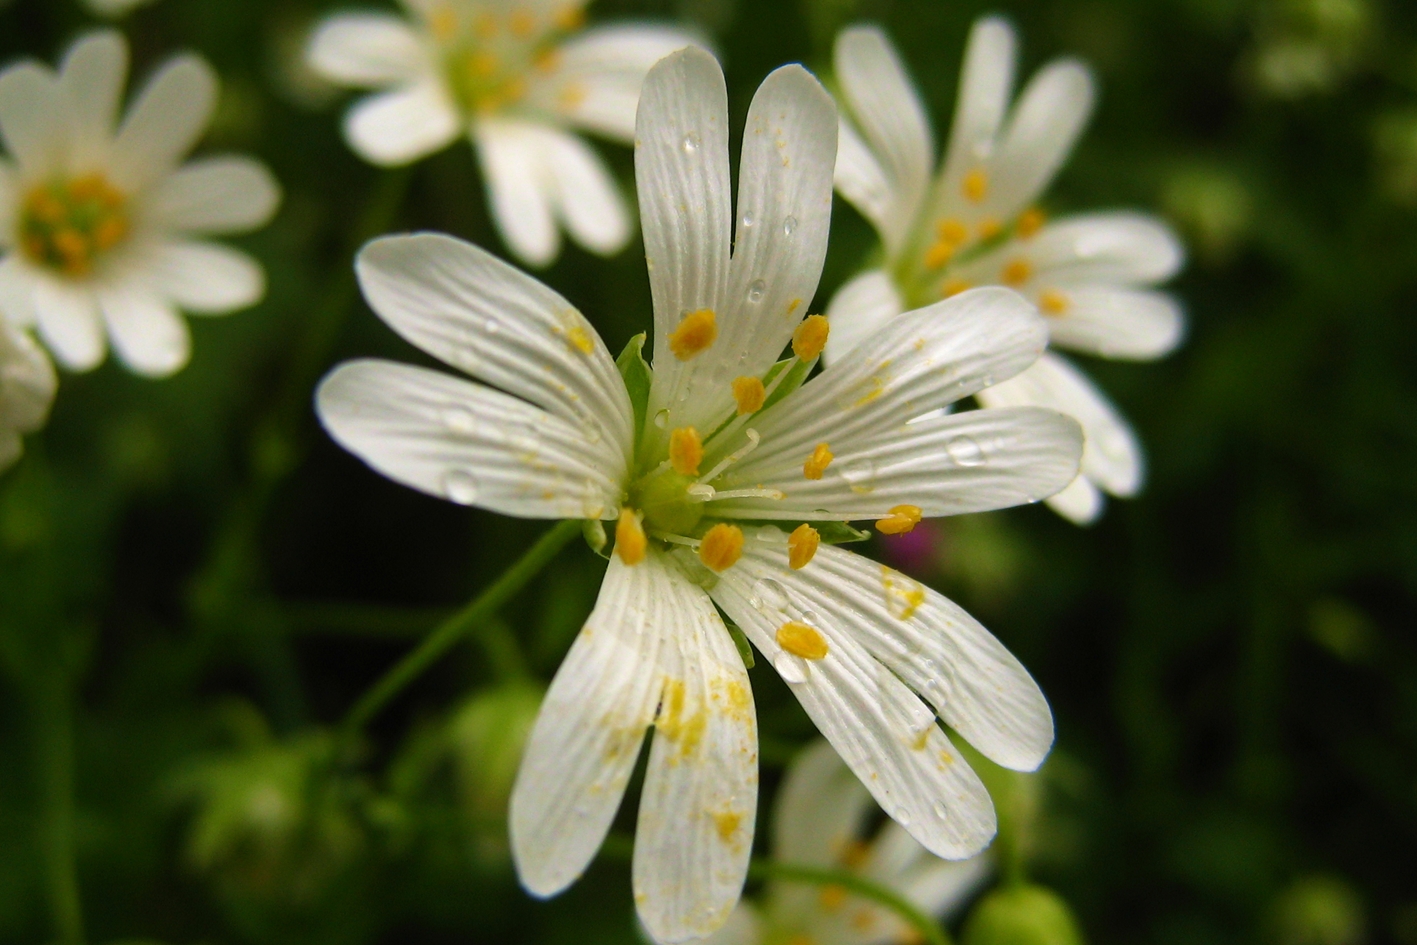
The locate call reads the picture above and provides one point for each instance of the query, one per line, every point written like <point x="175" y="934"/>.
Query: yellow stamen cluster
<point x="67" y="225"/>
<point x="802" y="546"/>
<point x="810" y="337"/>
<point x="950" y="235"/>
<point x="488" y="55"/>
<point x="801" y="640"/>
<point x="832" y="897"/>
<point x="750" y="394"/>
<point x="990" y="227"/>
<point x="903" y="519"/>
<point x="818" y="462"/>
<point x="975" y="185"/>
<point x="1016" y="272"/>
<point x="1030" y="222"/>
<point x="630" y="537"/>
<point x="686" y="451"/>
<point x="721" y="547"/>
<point x="953" y="287"/>
<point x="1052" y="302"/>
<point x="695" y="334"/>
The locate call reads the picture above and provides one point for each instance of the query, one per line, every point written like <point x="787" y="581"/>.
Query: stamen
<point x="990" y="227"/>
<point x="953" y="287"/>
<point x="1016" y="272"/>
<point x="939" y="255"/>
<point x="1030" y="222"/>
<point x="571" y="97"/>
<point x="483" y="64"/>
<point x="67" y="224"/>
<point x="902" y="520"/>
<point x="951" y="231"/>
<point x="569" y="18"/>
<point x="975" y="185"/>
<point x="547" y="60"/>
<point x="443" y="22"/>
<point x="686" y="451"/>
<point x="694" y="335"/>
<point x="629" y="537"/>
<point x="749" y="394"/>
<point x="802" y="640"/>
<point x="832" y="897"/>
<point x="521" y="23"/>
<point x="810" y="337"/>
<point x="818" y="462"/>
<point x="802" y="546"/>
<point x="761" y="492"/>
<point x="753" y="440"/>
<point x="485" y="26"/>
<point x="1052" y="302"/>
<point x="721" y="547"/>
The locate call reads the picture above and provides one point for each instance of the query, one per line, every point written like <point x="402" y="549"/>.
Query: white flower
<point x="512" y="75"/>
<point x="114" y="8"/>
<point x="27" y="385"/>
<point x="974" y="224"/>
<point x="820" y="819"/>
<point x="99" y="227"/>
<point x="705" y="473"/>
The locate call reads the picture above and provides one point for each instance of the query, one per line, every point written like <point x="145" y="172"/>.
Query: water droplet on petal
<point x="941" y="811"/>
<point x="661" y="419"/>
<point x="965" y="451"/>
<point x="771" y="533"/>
<point x="691" y="143"/>
<point x="491" y="326"/>
<point x="789" y="226"/>
<point x="792" y="669"/>
<point x="756" y="291"/>
<point x="460" y="487"/>
<point x="768" y="595"/>
<point x="749" y="219"/>
<point x="859" y="473"/>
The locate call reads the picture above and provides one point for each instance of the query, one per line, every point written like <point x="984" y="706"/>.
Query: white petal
<point x="859" y="309"/>
<point x="880" y="728"/>
<point x="517" y="187"/>
<point x="700" y="797"/>
<point x="149" y="335"/>
<point x="464" y="442"/>
<point x="18" y="282"/>
<point x="32" y="121"/>
<point x="165" y="122"/>
<point x="1119" y="247"/>
<point x="913" y="364"/>
<point x="1118" y="323"/>
<point x="401" y="126"/>
<point x="1080" y="503"/>
<point x="587" y="736"/>
<point x="586" y="197"/>
<point x="885" y="107"/>
<point x="973" y="461"/>
<point x="206" y="278"/>
<point x="986" y="80"/>
<point x="91" y="78"/>
<point x="860" y="178"/>
<point x="366" y="50"/>
<point x="597" y="82"/>
<point x="227" y="194"/>
<point x="473" y="311"/>
<point x="940" y="888"/>
<point x="1111" y="457"/>
<point x="69" y="323"/>
<point x="9" y="198"/>
<point x="742" y="928"/>
<point x="1045" y="124"/>
<point x="784" y="212"/>
<point x="27" y="382"/>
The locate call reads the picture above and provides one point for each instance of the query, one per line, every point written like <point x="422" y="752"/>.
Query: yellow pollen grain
<point x="721" y="548"/>
<point x="951" y="231"/>
<point x="832" y="897"/>
<point x="695" y="334"/>
<point x="818" y="462"/>
<point x="629" y="537"/>
<point x="521" y="23"/>
<point x="569" y="18"/>
<point x="938" y="255"/>
<point x="862" y="921"/>
<point x="727" y="824"/>
<point x="686" y="451"/>
<point x="953" y="287"/>
<point x="975" y="185"/>
<point x="1016" y="272"/>
<point x="810" y="337"/>
<point x="578" y="338"/>
<point x="802" y="640"/>
<point x="802" y="546"/>
<point x="903" y="519"/>
<point x="990" y="227"/>
<point x="1030" y="222"/>
<point x="1052" y="302"/>
<point x="749" y="393"/>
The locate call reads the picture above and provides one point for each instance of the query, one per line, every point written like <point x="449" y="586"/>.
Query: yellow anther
<point x="939" y="254"/>
<point x="1052" y="302"/>
<point x="990" y="227"/>
<point x="686" y="451"/>
<point x="832" y="897"/>
<point x="629" y="537"/>
<point x="749" y="393"/>
<point x="903" y="519"/>
<point x="975" y="185"/>
<point x="1030" y="222"/>
<point x="483" y="64"/>
<point x="521" y="23"/>
<point x="485" y="26"/>
<point x="810" y="337"/>
<point x="854" y="854"/>
<point x="547" y="60"/>
<point x="802" y="546"/>
<point x="953" y="287"/>
<point x="569" y="18"/>
<point x="818" y="462"/>
<point x="443" y="21"/>
<point x="571" y="96"/>
<point x="65" y="225"/>
<point x="694" y="335"/>
<point x="951" y="231"/>
<point x="1016" y="272"/>
<point x="802" y="640"/>
<point x="721" y="548"/>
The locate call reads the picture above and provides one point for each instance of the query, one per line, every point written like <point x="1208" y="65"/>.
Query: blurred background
<point x="196" y="584"/>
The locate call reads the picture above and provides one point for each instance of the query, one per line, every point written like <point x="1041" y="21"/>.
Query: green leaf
<point x="839" y="533"/>
<point x="637" y="375"/>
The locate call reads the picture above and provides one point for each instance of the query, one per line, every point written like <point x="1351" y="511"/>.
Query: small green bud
<point x="1318" y="910"/>
<point x="1022" y="915"/>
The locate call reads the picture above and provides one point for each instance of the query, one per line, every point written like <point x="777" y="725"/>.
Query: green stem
<point x="451" y="630"/>
<point x="54" y="730"/>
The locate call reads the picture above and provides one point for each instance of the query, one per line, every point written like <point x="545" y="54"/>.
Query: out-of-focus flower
<point x="703" y="518"/>
<point x="512" y="75"/>
<point x="975" y="224"/>
<point x="99" y="227"/>
<point x="820" y="819"/>
<point x="1395" y="141"/>
<point x="1212" y="206"/>
<point x="487" y="736"/>
<point x="27" y="385"/>
<point x="1306" y="47"/>
<point x="1022" y="915"/>
<point x="1318" y="910"/>
<point x="114" y="8"/>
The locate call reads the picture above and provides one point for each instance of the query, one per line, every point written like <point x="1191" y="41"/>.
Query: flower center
<point x="489" y="54"/>
<point x="667" y="506"/>
<point x="67" y="225"/>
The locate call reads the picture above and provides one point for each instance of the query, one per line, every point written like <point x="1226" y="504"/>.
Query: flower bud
<point x="1022" y="915"/>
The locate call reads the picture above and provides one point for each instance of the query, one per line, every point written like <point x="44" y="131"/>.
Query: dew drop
<point x="768" y="595"/>
<point x="789" y="226"/>
<point x="965" y="451"/>
<point x="460" y="487"/>
<point x="858" y="473"/>
<point x="941" y="811"/>
<point x="770" y="533"/>
<point x="749" y="219"/>
<point x="491" y="326"/>
<point x="791" y="668"/>
<point x="459" y="422"/>
<point x="902" y="817"/>
<point x="757" y="290"/>
<point x="661" y="419"/>
<point x="691" y="143"/>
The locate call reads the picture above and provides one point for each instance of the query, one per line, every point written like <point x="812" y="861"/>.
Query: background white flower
<point x="27" y="384"/>
<point x="512" y="75"/>
<point x="974" y="224"/>
<point x="100" y="227"/>
<point x="114" y="8"/>
<point x="572" y="437"/>
<point x="822" y="818"/>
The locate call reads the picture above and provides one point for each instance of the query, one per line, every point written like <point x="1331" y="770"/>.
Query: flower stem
<point x="54" y="751"/>
<point x="451" y="630"/>
<point x="929" y="930"/>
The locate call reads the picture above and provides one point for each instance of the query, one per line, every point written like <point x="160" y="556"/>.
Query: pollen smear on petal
<point x="802" y="546"/>
<point x="1052" y="302"/>
<point x="975" y="185"/>
<point x="749" y="393"/>
<point x="629" y="537"/>
<point x="903" y="519"/>
<point x="810" y="337"/>
<point x="818" y="462"/>
<point x="721" y="548"/>
<point x="686" y="451"/>
<point x="953" y="287"/>
<point x="801" y="640"/>
<point x="695" y="334"/>
<point x="1030" y="222"/>
<point x="1016" y="272"/>
<point x="577" y="337"/>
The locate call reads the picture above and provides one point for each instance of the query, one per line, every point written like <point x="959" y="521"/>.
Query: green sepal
<point x="594" y="531"/>
<point x="745" y="649"/>
<point x="839" y="533"/>
<point x="637" y="376"/>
